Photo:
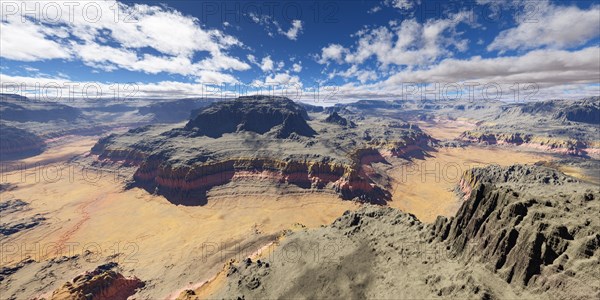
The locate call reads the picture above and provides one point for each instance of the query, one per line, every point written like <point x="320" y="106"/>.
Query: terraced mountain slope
<point x="262" y="139"/>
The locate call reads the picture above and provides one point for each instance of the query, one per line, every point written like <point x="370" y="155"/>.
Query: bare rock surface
<point x="522" y="232"/>
<point x="18" y="143"/>
<point x="101" y="283"/>
<point x="261" y="139"/>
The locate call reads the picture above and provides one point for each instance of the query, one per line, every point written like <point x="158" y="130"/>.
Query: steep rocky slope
<point x="22" y="109"/>
<point x="262" y="139"/>
<point x="18" y="143"/>
<point x="522" y="232"/>
<point x="258" y="114"/>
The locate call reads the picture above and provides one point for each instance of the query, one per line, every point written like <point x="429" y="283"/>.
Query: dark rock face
<point x="587" y="111"/>
<point x="528" y="240"/>
<point x="10" y="225"/>
<point x="7" y="229"/>
<point x="21" y="109"/>
<point x="335" y="118"/>
<point x="258" y="114"/>
<point x="17" y="143"/>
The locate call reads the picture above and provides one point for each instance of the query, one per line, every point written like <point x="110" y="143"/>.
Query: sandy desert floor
<point x="425" y="188"/>
<point x="98" y="215"/>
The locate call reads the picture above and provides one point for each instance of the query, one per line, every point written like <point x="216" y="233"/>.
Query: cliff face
<point x="569" y="146"/>
<point x="345" y="179"/>
<point x="265" y="140"/>
<point x="256" y="114"/>
<point x="586" y="112"/>
<point x="186" y="183"/>
<point x="21" y="109"/>
<point x="533" y="226"/>
<point x="18" y="143"/>
<point x="335" y="118"/>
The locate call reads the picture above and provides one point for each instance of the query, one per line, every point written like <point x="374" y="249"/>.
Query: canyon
<point x="366" y="196"/>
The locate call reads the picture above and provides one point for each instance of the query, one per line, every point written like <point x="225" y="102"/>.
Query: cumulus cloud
<point x="556" y="73"/>
<point x="409" y="43"/>
<point x="557" y="27"/>
<point x="297" y="67"/>
<point x="401" y="4"/>
<point x="267" y="64"/>
<point x="282" y="79"/>
<point x="354" y="72"/>
<point x="110" y="41"/>
<point x="293" y="32"/>
<point x="332" y="52"/>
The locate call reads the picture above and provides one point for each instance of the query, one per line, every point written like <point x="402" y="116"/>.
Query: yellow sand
<point x="101" y="217"/>
<point x="425" y="188"/>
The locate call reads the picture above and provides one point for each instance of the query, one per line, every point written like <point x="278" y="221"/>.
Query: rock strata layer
<point x="264" y="140"/>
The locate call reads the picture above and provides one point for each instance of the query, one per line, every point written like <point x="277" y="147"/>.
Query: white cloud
<point x="282" y="79"/>
<point x="252" y="59"/>
<point x="544" y="67"/>
<point x="297" y="67"/>
<point x="26" y="41"/>
<point x="401" y="4"/>
<point x="280" y="65"/>
<point x="374" y="9"/>
<point x="267" y="22"/>
<point x="333" y="52"/>
<point x="556" y="27"/>
<point x="557" y="74"/>
<point x="117" y="41"/>
<point x="407" y="44"/>
<point x="267" y="64"/>
<point x="31" y="69"/>
<point x="293" y="32"/>
<point x="354" y="72"/>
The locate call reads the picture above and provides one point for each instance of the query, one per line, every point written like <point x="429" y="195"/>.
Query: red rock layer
<point x="350" y="180"/>
<point x="100" y="285"/>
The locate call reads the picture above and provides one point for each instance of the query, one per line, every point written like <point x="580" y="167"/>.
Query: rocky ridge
<point x="522" y="232"/>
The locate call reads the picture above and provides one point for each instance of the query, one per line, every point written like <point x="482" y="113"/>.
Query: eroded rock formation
<point x="533" y="226"/>
<point x="258" y="114"/>
<point x="522" y="232"/>
<point x="262" y="139"/>
<point x="99" y="284"/>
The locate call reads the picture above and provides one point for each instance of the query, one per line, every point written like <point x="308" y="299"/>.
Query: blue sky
<point x="349" y="49"/>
